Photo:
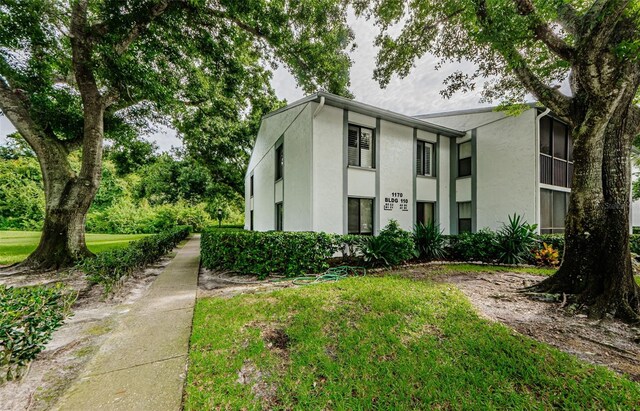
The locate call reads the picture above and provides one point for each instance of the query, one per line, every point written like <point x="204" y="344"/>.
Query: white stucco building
<point x="327" y="163"/>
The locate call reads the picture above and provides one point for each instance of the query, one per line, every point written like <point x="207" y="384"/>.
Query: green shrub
<point x="479" y="246"/>
<point x="554" y="240"/>
<point x="515" y="240"/>
<point x="28" y="317"/>
<point x="391" y="247"/>
<point x="264" y="253"/>
<point x="429" y="240"/>
<point x="110" y="266"/>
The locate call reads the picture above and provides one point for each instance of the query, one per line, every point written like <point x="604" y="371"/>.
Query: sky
<point x="417" y="93"/>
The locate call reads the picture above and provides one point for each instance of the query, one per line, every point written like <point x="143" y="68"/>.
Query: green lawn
<point x="17" y="245"/>
<point x="380" y="343"/>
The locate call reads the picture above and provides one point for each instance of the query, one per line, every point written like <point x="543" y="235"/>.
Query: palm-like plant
<point x="515" y="240"/>
<point x="430" y="242"/>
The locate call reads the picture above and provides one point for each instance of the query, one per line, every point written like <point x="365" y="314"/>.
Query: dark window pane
<point x="464" y="167"/>
<point x="560" y="173"/>
<point x="280" y="162"/>
<point x="354" y="215"/>
<point x="570" y="147"/>
<point x="366" y="216"/>
<point x="251" y="220"/>
<point x="251" y="186"/>
<point x="546" y="169"/>
<point x="279" y="216"/>
<point x="419" y="157"/>
<point x="545" y="135"/>
<point x="559" y="140"/>
<point x="353" y="136"/>
<point x="546" y="204"/>
<point x="425" y="212"/>
<point x="427" y="159"/>
<point x="464" y="225"/>
<point x="559" y="209"/>
<point x="420" y="213"/>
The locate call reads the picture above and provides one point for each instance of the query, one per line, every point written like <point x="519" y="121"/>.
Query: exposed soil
<point x="73" y="344"/>
<point x="225" y="284"/>
<point x="496" y="296"/>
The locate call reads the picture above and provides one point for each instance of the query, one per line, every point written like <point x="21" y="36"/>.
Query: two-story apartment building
<point x="328" y="163"/>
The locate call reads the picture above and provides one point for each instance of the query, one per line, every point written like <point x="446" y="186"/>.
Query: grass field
<point x="17" y="245"/>
<point x="380" y="343"/>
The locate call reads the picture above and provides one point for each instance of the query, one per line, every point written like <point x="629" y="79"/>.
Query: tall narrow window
<point x="251" y="186"/>
<point x="556" y="153"/>
<point x="425" y="213"/>
<point x="464" y="217"/>
<point x="251" y="220"/>
<point x="360" y="146"/>
<point x="360" y="216"/>
<point x="279" y="216"/>
<point x="280" y="162"/>
<point x="554" y="206"/>
<point x="424" y="159"/>
<point x="464" y="159"/>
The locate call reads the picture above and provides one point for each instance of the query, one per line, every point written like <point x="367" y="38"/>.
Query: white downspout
<point x="319" y="108"/>
<point x="537" y="174"/>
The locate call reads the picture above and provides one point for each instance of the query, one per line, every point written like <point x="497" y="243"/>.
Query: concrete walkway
<point x="142" y="365"/>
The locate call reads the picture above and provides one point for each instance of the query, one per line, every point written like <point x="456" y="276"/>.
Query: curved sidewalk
<point x="142" y="365"/>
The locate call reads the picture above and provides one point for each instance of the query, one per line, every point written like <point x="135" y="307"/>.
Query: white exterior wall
<point x="294" y="124"/>
<point x="444" y="181"/>
<point x="396" y="174"/>
<point x="506" y="167"/>
<point x="328" y="170"/>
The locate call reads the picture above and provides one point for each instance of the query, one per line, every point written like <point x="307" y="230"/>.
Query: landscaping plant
<point x="392" y="246"/>
<point x="515" y="240"/>
<point x="547" y="256"/>
<point x="108" y="267"/>
<point x="429" y="240"/>
<point x="479" y="246"/>
<point x="28" y="317"/>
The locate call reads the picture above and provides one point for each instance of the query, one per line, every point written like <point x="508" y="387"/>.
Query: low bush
<point x="264" y="253"/>
<point x="28" y="317"/>
<point x="391" y="247"/>
<point x="547" y="256"/>
<point x="479" y="246"/>
<point x="515" y="240"/>
<point x="429" y="240"/>
<point x="108" y="267"/>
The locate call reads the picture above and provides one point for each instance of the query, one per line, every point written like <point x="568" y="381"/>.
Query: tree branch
<point x="603" y="16"/>
<point x="545" y="33"/>
<point x="12" y="104"/>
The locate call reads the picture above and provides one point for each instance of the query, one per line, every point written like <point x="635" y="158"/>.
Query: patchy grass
<point x="15" y="246"/>
<point x="380" y="343"/>
<point x="481" y="268"/>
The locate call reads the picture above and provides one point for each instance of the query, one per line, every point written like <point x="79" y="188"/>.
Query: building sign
<point x="396" y="200"/>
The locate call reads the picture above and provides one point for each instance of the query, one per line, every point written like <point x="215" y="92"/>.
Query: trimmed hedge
<point x="110" y="266"/>
<point x="28" y="318"/>
<point x="264" y="253"/>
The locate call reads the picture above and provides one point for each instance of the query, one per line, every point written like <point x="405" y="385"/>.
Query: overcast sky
<point x="416" y="94"/>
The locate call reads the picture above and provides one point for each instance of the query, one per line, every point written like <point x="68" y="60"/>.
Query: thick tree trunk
<point x="596" y="270"/>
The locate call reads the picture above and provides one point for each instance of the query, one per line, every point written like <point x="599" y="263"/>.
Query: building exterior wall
<point x="506" y="170"/>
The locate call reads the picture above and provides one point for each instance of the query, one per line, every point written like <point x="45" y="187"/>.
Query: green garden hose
<point x="332" y="274"/>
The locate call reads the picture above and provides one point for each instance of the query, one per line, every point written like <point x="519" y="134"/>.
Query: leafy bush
<point x="429" y="240"/>
<point x="110" y="266"/>
<point x="515" y="240"/>
<point x="479" y="246"/>
<point x="634" y="243"/>
<point x="264" y="253"/>
<point x="547" y="256"/>
<point x="28" y="317"/>
<point x="391" y="247"/>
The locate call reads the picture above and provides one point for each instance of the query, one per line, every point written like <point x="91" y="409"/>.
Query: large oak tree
<point x="74" y="71"/>
<point x="533" y="46"/>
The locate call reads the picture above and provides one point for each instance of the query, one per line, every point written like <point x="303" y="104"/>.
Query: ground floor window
<point x="554" y="206"/>
<point x="251" y="220"/>
<point x="279" y="216"/>
<point x="464" y="217"/>
<point x="360" y="216"/>
<point x="425" y="212"/>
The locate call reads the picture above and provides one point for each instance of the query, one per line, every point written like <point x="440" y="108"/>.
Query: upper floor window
<point x="556" y="153"/>
<point x="361" y="146"/>
<point x="464" y="159"/>
<point x="424" y="159"/>
<point x="280" y="162"/>
<point x="251" y="186"/>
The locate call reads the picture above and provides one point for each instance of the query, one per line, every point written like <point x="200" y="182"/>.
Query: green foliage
<point x="393" y="246"/>
<point x="130" y="154"/>
<point x="28" y="317"/>
<point x="21" y="194"/>
<point x="265" y="253"/>
<point x="634" y="243"/>
<point x="554" y="240"/>
<point x="515" y="240"/>
<point x="430" y="242"/>
<point x="108" y="267"/>
<point x="479" y="246"/>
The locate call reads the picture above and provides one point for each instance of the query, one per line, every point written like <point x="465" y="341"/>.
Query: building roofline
<point x="466" y="111"/>
<point x="367" y="109"/>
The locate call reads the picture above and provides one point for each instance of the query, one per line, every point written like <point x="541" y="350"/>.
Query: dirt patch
<point x="73" y="344"/>
<point x="225" y="284"/>
<point x="611" y="343"/>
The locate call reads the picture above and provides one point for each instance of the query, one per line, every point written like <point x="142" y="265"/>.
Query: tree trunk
<point x="596" y="269"/>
